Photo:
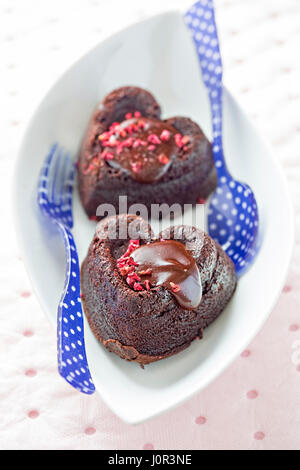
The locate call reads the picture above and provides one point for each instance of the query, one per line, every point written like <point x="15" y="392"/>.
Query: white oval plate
<point x="159" y="55"/>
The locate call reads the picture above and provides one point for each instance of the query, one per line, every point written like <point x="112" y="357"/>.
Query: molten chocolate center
<point x="168" y="263"/>
<point x="145" y="150"/>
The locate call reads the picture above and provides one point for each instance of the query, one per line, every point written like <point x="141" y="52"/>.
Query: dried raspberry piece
<point x="185" y="139"/>
<point x="133" y="245"/>
<point x="141" y="124"/>
<point x="131" y="262"/>
<point x="163" y="159"/>
<point x="137" y="286"/>
<point x="153" y="139"/>
<point x="123" y="133"/>
<point x="110" y="143"/>
<point x="137" y="143"/>
<point x="128" y="142"/>
<point x="126" y="270"/>
<point x="119" y="148"/>
<point x="104" y="136"/>
<point x="132" y="276"/>
<point x="165" y="135"/>
<point x="175" y="287"/>
<point x="114" y="126"/>
<point x="136" y="167"/>
<point x="145" y="272"/>
<point x="178" y="140"/>
<point x="126" y="266"/>
<point x="105" y="155"/>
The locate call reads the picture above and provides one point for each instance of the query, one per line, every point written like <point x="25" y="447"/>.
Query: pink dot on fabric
<point x="259" y="436"/>
<point x="200" y="420"/>
<point x="286" y="289"/>
<point x="30" y="373"/>
<point x="252" y="394"/>
<point x="89" y="431"/>
<point x="25" y="294"/>
<point x="33" y="414"/>
<point x="298" y="367"/>
<point x="148" y="446"/>
<point x="294" y="327"/>
<point x="246" y="353"/>
<point x="28" y="333"/>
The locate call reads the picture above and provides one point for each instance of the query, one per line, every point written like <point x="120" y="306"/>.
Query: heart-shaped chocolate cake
<point x="146" y="297"/>
<point x="128" y="150"/>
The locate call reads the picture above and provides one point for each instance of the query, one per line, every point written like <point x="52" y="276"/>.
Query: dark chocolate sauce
<point x="168" y="263"/>
<point x="146" y="162"/>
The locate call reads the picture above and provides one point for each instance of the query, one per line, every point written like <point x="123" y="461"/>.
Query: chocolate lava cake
<point x="128" y="150"/>
<point x="147" y="298"/>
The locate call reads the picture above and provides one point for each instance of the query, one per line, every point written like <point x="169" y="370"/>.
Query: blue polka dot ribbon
<point x="72" y="360"/>
<point x="55" y="191"/>
<point x="233" y="213"/>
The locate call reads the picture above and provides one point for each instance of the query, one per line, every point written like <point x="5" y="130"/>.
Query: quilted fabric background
<point x="254" y="404"/>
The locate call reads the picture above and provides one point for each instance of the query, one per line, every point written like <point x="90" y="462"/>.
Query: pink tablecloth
<point x="255" y="404"/>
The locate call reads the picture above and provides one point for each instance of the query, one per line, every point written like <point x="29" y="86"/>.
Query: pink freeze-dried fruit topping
<point x="185" y="139"/>
<point x="126" y="266"/>
<point x="136" y="143"/>
<point x="124" y="136"/>
<point x="145" y="272"/>
<point x="165" y="135"/>
<point x="137" y="286"/>
<point x="163" y="159"/>
<point x="151" y="147"/>
<point x="153" y="139"/>
<point x="105" y="155"/>
<point x="178" y="140"/>
<point x="128" y="142"/>
<point x="174" y="287"/>
<point x="136" y="167"/>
